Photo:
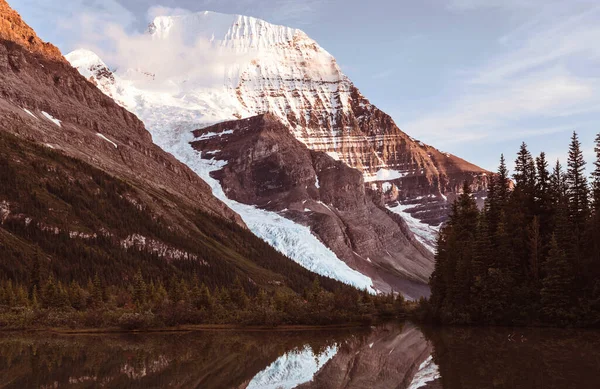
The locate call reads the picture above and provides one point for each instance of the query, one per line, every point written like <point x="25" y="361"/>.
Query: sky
<point x="471" y="77"/>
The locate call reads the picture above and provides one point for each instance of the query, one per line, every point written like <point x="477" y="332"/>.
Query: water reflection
<point x="390" y="356"/>
<point x="475" y="358"/>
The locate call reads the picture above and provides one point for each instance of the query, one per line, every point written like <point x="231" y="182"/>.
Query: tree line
<point x="531" y="256"/>
<point x="144" y="303"/>
<point x="51" y="276"/>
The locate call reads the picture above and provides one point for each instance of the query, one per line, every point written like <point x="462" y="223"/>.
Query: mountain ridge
<point x="278" y="70"/>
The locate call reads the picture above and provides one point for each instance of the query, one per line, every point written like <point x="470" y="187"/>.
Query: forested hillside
<point x="531" y="255"/>
<point x="75" y="239"/>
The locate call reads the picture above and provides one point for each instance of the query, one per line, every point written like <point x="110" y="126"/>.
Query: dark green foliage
<point x="531" y="256"/>
<point x="64" y="248"/>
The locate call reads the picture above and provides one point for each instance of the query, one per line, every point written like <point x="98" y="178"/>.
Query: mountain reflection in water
<point x="388" y="356"/>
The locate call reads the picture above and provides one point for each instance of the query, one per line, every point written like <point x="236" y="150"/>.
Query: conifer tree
<point x="97" y="292"/>
<point x="35" y="280"/>
<point x="525" y="170"/>
<point x="596" y="178"/>
<point x="577" y="185"/>
<point x="139" y="288"/>
<point x="535" y="249"/>
<point x="544" y="206"/>
<point x="556" y="285"/>
<point x="238" y="294"/>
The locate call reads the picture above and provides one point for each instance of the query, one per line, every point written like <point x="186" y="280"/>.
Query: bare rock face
<point x="387" y="359"/>
<point x="269" y="167"/>
<point x="44" y="99"/>
<point x="13" y="28"/>
<point x="282" y="72"/>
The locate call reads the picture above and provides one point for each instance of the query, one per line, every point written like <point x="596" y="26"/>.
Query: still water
<point x="389" y="356"/>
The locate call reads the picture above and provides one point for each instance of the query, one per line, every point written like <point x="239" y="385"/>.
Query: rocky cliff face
<point x="388" y="358"/>
<point x="14" y="29"/>
<point x="262" y="68"/>
<point x="267" y="166"/>
<point x="42" y="98"/>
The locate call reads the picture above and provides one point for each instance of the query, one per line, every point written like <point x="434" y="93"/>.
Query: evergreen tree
<point x="525" y="170"/>
<point x="556" y="286"/>
<point x="238" y="294"/>
<point x="139" y="288"/>
<point x="558" y="184"/>
<point x="596" y="178"/>
<point x="535" y="249"/>
<point x="35" y="280"/>
<point x="97" y="293"/>
<point x="577" y="186"/>
<point x="544" y="205"/>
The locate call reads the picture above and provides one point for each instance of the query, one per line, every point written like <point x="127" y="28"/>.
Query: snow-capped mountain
<point x="206" y="68"/>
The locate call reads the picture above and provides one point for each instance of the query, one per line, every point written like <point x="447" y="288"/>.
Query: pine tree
<point x="238" y="294"/>
<point x="544" y="204"/>
<point x="35" y="280"/>
<point x="498" y="195"/>
<point x="577" y="185"/>
<point x="535" y="249"/>
<point x="206" y="299"/>
<point x="525" y="170"/>
<point x="139" y="288"/>
<point x="483" y="250"/>
<point x="558" y="185"/>
<point x="556" y="286"/>
<point x="97" y="292"/>
<point x="502" y="184"/>
<point x="596" y="178"/>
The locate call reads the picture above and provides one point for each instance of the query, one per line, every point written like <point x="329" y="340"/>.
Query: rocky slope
<point x="82" y="181"/>
<point x="259" y="68"/>
<point x="266" y="165"/>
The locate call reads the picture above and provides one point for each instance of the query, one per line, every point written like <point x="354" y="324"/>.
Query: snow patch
<point x="428" y="371"/>
<point x="424" y="233"/>
<point x="106" y="139"/>
<point x="51" y="118"/>
<point x="384" y="175"/>
<point x="30" y="113"/>
<point x="291" y="239"/>
<point x="292" y="369"/>
<point x="209" y="135"/>
<point x="334" y="154"/>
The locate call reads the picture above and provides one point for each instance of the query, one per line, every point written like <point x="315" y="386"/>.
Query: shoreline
<point x="186" y="328"/>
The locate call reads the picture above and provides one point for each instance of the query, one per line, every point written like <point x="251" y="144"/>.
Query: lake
<point x="387" y="356"/>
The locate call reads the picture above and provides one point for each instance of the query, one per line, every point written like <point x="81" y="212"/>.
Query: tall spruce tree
<point x="543" y="196"/>
<point x="596" y="178"/>
<point x="556" y="296"/>
<point x="577" y="185"/>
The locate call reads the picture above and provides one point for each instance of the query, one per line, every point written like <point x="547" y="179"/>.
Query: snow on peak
<point x="233" y="31"/>
<point x="193" y="70"/>
<point x="83" y="57"/>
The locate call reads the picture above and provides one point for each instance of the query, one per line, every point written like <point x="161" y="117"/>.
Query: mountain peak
<point x="14" y="29"/>
<point x="237" y="32"/>
<point x="84" y="57"/>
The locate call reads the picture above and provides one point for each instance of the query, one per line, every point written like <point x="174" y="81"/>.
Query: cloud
<point x="543" y="75"/>
<point x="159" y="10"/>
<point x="54" y="20"/>
<point x="191" y="60"/>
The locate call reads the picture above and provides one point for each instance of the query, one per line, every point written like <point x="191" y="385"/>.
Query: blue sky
<point x="472" y="77"/>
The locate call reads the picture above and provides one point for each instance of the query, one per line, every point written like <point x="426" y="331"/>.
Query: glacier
<point x="292" y="369"/>
<point x="291" y="239"/>
<point x="428" y="371"/>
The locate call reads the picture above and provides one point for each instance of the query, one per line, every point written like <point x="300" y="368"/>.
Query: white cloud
<point x="159" y="10"/>
<point x="542" y="73"/>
